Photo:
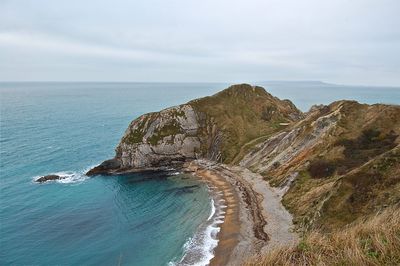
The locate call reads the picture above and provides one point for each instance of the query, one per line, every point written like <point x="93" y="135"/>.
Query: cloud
<point x="338" y="41"/>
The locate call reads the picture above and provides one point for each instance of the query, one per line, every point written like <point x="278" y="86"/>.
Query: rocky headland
<point x="324" y="169"/>
<point x="212" y="128"/>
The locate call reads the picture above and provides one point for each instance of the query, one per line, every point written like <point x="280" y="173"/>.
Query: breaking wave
<point x="199" y="249"/>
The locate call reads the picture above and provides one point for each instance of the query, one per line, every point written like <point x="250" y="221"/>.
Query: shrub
<point x="321" y="168"/>
<point x="369" y="144"/>
<point x="276" y="164"/>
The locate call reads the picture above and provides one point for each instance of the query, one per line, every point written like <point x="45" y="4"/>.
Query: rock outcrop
<point x="105" y="167"/>
<point x="48" y="178"/>
<point x="160" y="139"/>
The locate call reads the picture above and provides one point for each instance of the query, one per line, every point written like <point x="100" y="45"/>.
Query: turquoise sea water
<point x="141" y="219"/>
<point x="66" y="128"/>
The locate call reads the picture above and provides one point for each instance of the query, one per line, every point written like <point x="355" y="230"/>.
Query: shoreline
<point x="227" y="236"/>
<point x="254" y="220"/>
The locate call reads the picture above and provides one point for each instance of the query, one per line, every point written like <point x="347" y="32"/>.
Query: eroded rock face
<point x="160" y="139"/>
<point x="285" y="146"/>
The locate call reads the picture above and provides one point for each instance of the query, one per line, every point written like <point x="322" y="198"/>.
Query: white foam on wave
<point x="199" y="249"/>
<point x="212" y="209"/>
<point x="174" y="173"/>
<point x="71" y="177"/>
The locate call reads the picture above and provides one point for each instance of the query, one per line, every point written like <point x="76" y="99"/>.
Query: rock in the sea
<point x="48" y="178"/>
<point x="104" y="167"/>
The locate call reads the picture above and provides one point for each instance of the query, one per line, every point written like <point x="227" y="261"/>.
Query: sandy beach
<point x="254" y="221"/>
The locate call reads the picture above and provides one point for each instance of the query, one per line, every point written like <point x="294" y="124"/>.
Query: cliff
<point x="214" y="128"/>
<point x="334" y="164"/>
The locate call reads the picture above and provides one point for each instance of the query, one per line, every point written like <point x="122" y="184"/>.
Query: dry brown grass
<point x="238" y="113"/>
<point x="375" y="241"/>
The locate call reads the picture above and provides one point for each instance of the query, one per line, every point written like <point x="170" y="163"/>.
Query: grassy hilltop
<point x="243" y="113"/>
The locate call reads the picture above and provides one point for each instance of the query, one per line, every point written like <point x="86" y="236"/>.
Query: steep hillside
<point x="240" y="114"/>
<point x="341" y="162"/>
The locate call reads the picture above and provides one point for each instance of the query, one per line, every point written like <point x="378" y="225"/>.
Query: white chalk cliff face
<point x="160" y="139"/>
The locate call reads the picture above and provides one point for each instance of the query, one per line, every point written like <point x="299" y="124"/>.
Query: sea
<point x="159" y="218"/>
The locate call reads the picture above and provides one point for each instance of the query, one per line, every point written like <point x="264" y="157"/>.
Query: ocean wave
<point x="199" y="249"/>
<point x="174" y="173"/>
<point x="212" y="209"/>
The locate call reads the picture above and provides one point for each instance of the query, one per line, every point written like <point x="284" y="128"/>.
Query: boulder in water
<point x="48" y="178"/>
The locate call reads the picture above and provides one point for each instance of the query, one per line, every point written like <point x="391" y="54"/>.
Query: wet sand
<point x="253" y="208"/>
<point x="241" y="233"/>
<point x="228" y="235"/>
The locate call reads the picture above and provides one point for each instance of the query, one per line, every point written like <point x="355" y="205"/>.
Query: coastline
<point x="227" y="236"/>
<point x="251" y="219"/>
<point x="254" y="219"/>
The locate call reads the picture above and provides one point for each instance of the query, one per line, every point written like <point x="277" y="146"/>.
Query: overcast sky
<point x="338" y="41"/>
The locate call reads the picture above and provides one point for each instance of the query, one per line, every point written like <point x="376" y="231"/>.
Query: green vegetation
<point x="364" y="191"/>
<point x="321" y="168"/>
<point x="249" y="146"/>
<point x="242" y="113"/>
<point x="351" y="172"/>
<point x="137" y="135"/>
<point x="177" y="112"/>
<point x="348" y="167"/>
<point x="167" y="130"/>
<point x="305" y="197"/>
<point x="370" y="143"/>
<point x="134" y="137"/>
<point x="321" y="199"/>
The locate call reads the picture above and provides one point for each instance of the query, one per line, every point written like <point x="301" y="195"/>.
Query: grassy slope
<point x="352" y="174"/>
<point x="244" y="113"/>
<point x="375" y="241"/>
<point x="362" y="164"/>
<point x="365" y="190"/>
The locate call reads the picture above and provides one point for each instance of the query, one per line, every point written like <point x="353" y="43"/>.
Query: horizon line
<point x="206" y="82"/>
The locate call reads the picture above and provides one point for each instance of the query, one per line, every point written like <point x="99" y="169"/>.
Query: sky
<point x="337" y="41"/>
